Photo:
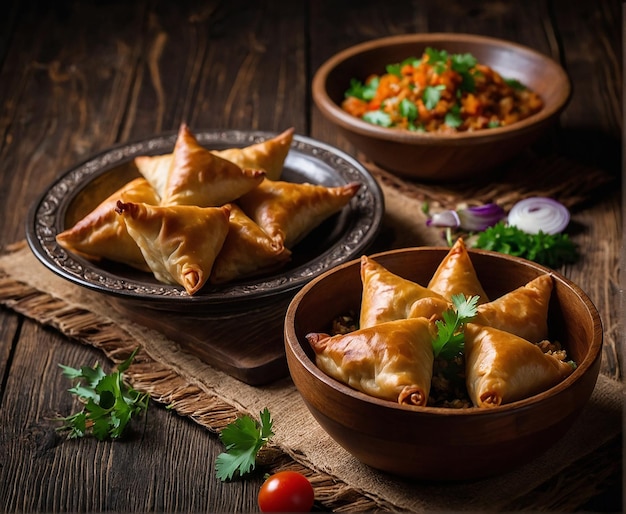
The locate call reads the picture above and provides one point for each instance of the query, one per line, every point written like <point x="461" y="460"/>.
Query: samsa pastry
<point x="198" y="177"/>
<point x="268" y="155"/>
<point x="102" y="234"/>
<point x="501" y="367"/>
<point x="392" y="360"/>
<point x="523" y="311"/>
<point x="387" y="296"/>
<point x="155" y="169"/>
<point x="289" y="211"/>
<point x="456" y="275"/>
<point x="180" y="243"/>
<point x="247" y="250"/>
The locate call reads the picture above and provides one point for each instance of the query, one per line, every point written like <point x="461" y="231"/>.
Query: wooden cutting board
<point x="247" y="344"/>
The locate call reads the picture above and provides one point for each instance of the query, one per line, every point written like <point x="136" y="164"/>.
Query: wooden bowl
<point x="440" y="443"/>
<point x="434" y="157"/>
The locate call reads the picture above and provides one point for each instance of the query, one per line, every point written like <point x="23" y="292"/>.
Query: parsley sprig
<point x="552" y="250"/>
<point x="243" y="438"/>
<point x="450" y="340"/>
<point x="109" y="403"/>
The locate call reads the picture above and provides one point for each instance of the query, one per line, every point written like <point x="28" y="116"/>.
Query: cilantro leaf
<point x="243" y="438"/>
<point x="378" y="118"/>
<point x="363" y="91"/>
<point x="552" y="250"/>
<point x="515" y="84"/>
<point x="450" y="339"/>
<point x="432" y="95"/>
<point x="408" y="109"/>
<point x="108" y="403"/>
<point x="453" y="117"/>
<point x="437" y="58"/>
<point x="464" y="65"/>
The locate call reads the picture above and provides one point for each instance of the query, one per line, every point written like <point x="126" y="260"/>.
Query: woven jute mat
<point x="570" y="471"/>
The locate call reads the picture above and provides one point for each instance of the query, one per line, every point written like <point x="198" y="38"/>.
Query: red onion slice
<point x="539" y="214"/>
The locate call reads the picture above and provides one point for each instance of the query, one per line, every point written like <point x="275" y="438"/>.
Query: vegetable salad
<point x="440" y="93"/>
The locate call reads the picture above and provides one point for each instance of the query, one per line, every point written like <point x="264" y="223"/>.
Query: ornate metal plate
<point x="341" y="238"/>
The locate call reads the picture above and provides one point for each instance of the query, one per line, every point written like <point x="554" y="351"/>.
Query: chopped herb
<point x="453" y="117"/>
<point x="363" y="91"/>
<point x="109" y="403"/>
<point x="408" y="109"/>
<point x="432" y="95"/>
<point x="243" y="438"/>
<point x="552" y="250"/>
<point x="515" y="84"/>
<point x="378" y="118"/>
<point x="450" y="340"/>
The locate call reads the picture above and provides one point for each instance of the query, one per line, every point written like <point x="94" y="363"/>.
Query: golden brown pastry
<point x="288" y="211"/>
<point x="387" y="296"/>
<point x="155" y="169"/>
<point x="392" y="360"/>
<point x="523" y="312"/>
<point x="198" y="177"/>
<point x="268" y="155"/>
<point x="247" y="250"/>
<point x="501" y="367"/>
<point x="456" y="275"/>
<point x="180" y="243"/>
<point x="101" y="234"/>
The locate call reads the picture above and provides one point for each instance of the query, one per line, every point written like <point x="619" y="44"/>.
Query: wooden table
<point x="78" y="77"/>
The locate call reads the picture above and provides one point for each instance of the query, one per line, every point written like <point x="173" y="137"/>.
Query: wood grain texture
<point x="77" y="77"/>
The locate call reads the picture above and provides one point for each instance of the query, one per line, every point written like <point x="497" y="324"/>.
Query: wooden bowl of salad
<point x="343" y="363"/>
<point x="440" y="107"/>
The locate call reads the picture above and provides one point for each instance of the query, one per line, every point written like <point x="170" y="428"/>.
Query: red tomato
<point x="286" y="491"/>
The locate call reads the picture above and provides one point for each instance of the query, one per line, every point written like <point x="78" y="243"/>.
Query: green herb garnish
<point x="363" y="91"/>
<point x="378" y="118"/>
<point x="408" y="110"/>
<point x="243" y="438"/>
<point x="450" y="340"/>
<point x="453" y="117"/>
<point x="109" y="403"/>
<point x="552" y="250"/>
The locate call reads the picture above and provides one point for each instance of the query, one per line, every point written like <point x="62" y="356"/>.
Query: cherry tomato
<point x="286" y="491"/>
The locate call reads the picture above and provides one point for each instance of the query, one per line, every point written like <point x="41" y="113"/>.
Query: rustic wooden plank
<point x="32" y="368"/>
<point x="9" y="333"/>
<point x="234" y="65"/>
<point x="67" y="74"/>
<point x="86" y="475"/>
<point x="593" y="118"/>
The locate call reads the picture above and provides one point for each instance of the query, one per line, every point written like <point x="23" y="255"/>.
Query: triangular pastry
<point x="456" y="275"/>
<point x="501" y="367"/>
<point x="392" y="360"/>
<point x="387" y="296"/>
<point x="102" y="234"/>
<point x="289" y="211"/>
<point x="268" y="155"/>
<point x="198" y="177"/>
<point x="155" y="169"/>
<point x="523" y="311"/>
<point x="247" y="251"/>
<point x="180" y="243"/>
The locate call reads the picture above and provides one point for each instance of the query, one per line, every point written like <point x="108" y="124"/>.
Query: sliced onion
<point x="447" y="218"/>
<point x="539" y="214"/>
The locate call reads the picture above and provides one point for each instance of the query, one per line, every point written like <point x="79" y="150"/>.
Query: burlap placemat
<point x="213" y="399"/>
<point x="571" y="183"/>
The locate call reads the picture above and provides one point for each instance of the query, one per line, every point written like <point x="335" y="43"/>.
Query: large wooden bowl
<point x="439" y="443"/>
<point x="440" y="157"/>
